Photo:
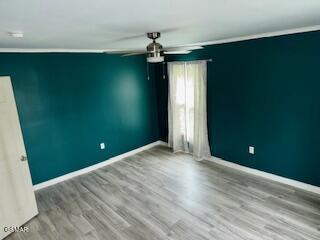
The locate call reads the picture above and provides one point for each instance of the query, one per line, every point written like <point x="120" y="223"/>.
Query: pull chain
<point x="148" y="75"/>
<point x="163" y="75"/>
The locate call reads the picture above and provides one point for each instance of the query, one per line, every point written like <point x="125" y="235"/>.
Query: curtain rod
<point x="208" y="60"/>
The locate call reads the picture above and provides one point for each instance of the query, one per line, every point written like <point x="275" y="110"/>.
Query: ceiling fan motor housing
<point x="154" y="49"/>
<point x="155" y="53"/>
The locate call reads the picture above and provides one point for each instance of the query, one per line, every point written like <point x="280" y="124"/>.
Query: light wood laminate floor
<point x="160" y="195"/>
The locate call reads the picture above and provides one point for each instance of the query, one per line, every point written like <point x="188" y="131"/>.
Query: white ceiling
<point x="101" y="24"/>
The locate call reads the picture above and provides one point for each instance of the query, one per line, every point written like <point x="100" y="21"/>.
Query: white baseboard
<point x="270" y="176"/>
<point x="95" y="166"/>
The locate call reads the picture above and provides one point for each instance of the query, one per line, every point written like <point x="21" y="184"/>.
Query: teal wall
<point x="265" y="93"/>
<point x="69" y="103"/>
<point x="262" y="92"/>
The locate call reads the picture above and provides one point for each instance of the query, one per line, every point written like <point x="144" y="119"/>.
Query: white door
<point x="17" y="200"/>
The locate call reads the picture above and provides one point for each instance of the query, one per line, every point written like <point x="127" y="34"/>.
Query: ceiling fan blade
<point x="177" y="52"/>
<point x="183" y="48"/>
<point x="132" y="54"/>
<point x="125" y="52"/>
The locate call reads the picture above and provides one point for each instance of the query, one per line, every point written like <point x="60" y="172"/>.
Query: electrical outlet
<point x="251" y="149"/>
<point x="102" y="146"/>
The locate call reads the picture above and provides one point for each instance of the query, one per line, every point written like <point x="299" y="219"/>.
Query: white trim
<point x="49" y="50"/>
<point x="163" y="143"/>
<point x="214" y="42"/>
<point x="94" y="167"/>
<point x="270" y="176"/>
<point x="256" y="36"/>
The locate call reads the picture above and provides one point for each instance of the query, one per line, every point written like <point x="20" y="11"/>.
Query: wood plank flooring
<point x="160" y="195"/>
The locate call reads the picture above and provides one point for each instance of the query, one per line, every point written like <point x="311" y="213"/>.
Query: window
<point x="187" y="108"/>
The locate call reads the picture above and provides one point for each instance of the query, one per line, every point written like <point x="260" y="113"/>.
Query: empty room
<point x="151" y="120"/>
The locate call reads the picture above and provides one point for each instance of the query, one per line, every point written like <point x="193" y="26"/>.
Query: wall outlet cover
<point x="102" y="146"/>
<point x="251" y="149"/>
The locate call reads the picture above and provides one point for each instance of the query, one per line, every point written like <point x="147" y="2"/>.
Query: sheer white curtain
<point x="187" y="108"/>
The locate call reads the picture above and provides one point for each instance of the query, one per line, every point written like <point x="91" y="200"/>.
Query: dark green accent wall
<point x="265" y="93"/>
<point x="69" y="103"/>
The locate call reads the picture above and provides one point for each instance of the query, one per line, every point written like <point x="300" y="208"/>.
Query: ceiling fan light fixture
<point x="155" y="59"/>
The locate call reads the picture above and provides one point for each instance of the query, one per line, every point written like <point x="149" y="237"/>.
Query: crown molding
<point x="214" y="42"/>
<point x="257" y="36"/>
<point x="49" y="50"/>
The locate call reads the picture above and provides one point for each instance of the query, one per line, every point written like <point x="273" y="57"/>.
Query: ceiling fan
<point x="155" y="51"/>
